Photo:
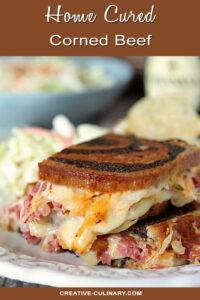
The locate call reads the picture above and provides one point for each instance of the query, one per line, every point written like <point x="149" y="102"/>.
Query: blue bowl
<point x="38" y="109"/>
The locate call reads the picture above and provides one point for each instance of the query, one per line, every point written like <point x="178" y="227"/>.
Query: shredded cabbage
<point x="19" y="157"/>
<point x="51" y="74"/>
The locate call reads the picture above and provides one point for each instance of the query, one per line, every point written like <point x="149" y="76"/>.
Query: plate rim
<point x="19" y="266"/>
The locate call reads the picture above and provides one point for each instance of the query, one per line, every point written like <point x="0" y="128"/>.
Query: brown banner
<point x="112" y="293"/>
<point x="127" y="27"/>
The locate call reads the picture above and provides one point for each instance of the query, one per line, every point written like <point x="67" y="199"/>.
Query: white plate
<point x="21" y="261"/>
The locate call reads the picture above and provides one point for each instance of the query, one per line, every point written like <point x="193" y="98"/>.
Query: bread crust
<point x="159" y="222"/>
<point x="116" y="163"/>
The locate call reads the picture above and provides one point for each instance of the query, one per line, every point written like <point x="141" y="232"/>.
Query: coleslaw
<point x="21" y="153"/>
<point x="19" y="157"/>
<point x="50" y="74"/>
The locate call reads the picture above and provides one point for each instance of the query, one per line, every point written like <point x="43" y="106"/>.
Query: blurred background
<point x="98" y="90"/>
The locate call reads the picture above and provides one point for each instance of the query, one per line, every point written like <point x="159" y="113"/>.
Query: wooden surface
<point x="107" y="119"/>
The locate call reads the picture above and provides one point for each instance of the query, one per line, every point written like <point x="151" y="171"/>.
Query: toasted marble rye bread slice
<point x="114" y="163"/>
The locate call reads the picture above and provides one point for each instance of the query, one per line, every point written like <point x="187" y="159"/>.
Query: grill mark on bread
<point x="110" y="167"/>
<point x="100" y="142"/>
<point x="135" y="146"/>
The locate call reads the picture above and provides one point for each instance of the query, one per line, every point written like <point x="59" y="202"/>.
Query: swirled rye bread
<point x="92" y="193"/>
<point x="115" y="163"/>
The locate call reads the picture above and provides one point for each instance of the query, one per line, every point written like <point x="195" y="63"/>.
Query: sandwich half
<point x="105" y="187"/>
<point x="166" y="240"/>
